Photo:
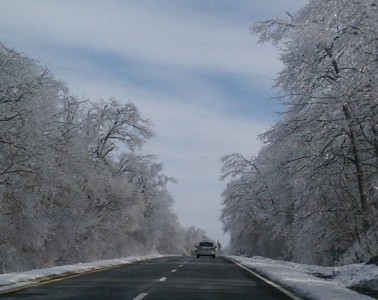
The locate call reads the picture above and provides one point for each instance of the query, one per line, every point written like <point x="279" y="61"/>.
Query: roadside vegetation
<point x="311" y="194"/>
<point x="73" y="185"/>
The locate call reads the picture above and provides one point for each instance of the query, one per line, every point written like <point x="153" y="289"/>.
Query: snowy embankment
<point x="16" y="280"/>
<point x="314" y="282"/>
<point x="309" y="282"/>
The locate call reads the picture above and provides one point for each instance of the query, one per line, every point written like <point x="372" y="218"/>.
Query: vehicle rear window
<point x="206" y="244"/>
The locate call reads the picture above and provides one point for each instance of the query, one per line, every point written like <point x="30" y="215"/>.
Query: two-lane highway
<point x="177" y="277"/>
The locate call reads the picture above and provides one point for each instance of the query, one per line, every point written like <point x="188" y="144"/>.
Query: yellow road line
<point x="45" y="280"/>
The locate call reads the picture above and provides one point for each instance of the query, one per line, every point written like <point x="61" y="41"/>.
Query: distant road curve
<point x="177" y="277"/>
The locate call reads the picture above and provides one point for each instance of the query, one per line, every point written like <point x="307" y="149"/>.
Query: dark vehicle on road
<point x="206" y="248"/>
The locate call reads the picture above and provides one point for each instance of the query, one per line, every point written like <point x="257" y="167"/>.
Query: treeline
<point x="72" y="186"/>
<point x="311" y="194"/>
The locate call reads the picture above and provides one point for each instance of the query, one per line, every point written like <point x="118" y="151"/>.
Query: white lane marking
<point x="180" y="266"/>
<point x="162" y="279"/>
<point x="174" y="271"/>
<point x="140" y="296"/>
<point x="278" y="287"/>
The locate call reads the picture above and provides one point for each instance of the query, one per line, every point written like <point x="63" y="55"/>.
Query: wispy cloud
<point x="192" y="67"/>
<point x="153" y="37"/>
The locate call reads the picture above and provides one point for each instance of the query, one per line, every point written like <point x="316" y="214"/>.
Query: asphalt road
<point x="176" y="277"/>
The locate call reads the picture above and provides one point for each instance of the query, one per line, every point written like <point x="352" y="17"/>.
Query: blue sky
<point x="192" y="67"/>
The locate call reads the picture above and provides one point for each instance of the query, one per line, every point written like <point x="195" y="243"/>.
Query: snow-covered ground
<point x="314" y="282"/>
<point x="16" y="280"/>
<point x="309" y="282"/>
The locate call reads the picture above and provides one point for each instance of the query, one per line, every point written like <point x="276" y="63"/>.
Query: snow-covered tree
<point x="324" y="148"/>
<point x="193" y="236"/>
<point x="72" y="187"/>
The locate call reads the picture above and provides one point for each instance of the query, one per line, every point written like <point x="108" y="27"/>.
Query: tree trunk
<point x="357" y="162"/>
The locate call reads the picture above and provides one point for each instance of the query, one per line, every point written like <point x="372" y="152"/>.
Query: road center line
<point x="162" y="279"/>
<point x="173" y="271"/>
<point x="180" y="266"/>
<point x="140" y="296"/>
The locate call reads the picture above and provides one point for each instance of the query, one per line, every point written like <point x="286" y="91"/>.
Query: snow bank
<point x="310" y="282"/>
<point x="314" y="282"/>
<point x="15" y="280"/>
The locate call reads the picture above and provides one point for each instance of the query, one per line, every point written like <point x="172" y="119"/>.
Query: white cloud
<point x="172" y="45"/>
<point x="190" y="139"/>
<point x="144" y="35"/>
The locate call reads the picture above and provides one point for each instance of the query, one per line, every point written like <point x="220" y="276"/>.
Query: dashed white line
<point x="180" y="266"/>
<point x="173" y="271"/>
<point x="162" y="279"/>
<point x="140" y="296"/>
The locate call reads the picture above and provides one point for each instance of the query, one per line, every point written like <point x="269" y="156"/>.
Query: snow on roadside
<point x="16" y="280"/>
<point x="304" y="280"/>
<point x="315" y="282"/>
